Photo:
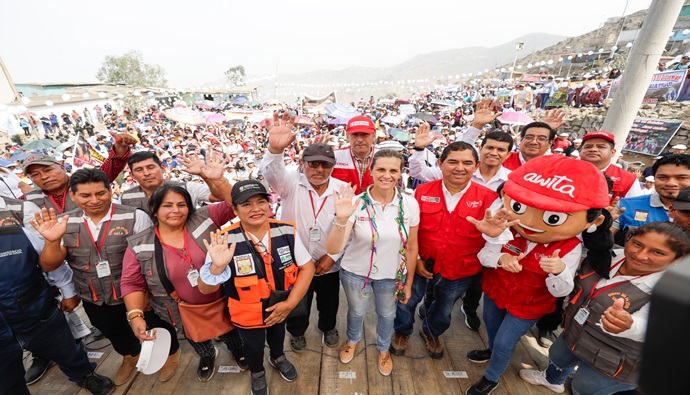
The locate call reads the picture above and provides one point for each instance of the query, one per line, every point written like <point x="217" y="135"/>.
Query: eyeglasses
<point x="316" y="164"/>
<point x="531" y="137"/>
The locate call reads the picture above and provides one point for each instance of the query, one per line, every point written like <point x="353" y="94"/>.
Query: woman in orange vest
<point x="264" y="258"/>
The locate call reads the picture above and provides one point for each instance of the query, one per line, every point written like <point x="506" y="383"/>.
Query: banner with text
<point x="649" y="136"/>
<point x="664" y="86"/>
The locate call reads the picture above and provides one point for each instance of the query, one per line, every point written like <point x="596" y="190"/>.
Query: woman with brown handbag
<point x="163" y="264"/>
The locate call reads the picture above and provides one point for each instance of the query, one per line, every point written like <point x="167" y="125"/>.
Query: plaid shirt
<point x="362" y="166"/>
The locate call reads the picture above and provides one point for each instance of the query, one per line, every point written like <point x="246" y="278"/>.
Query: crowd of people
<point x="248" y="222"/>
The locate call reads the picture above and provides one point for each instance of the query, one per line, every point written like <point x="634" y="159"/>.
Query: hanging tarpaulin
<point x="317" y="104"/>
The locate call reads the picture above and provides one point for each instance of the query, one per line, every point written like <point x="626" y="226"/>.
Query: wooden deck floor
<point x="320" y="371"/>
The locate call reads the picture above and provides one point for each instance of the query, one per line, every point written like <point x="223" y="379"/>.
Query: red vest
<point x="447" y="238"/>
<point x="623" y="180"/>
<point x="346" y="170"/>
<point x="524" y="294"/>
<point x="513" y="161"/>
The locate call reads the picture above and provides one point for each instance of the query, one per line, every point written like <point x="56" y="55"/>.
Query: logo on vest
<point x="513" y="249"/>
<point x="615" y="295"/>
<point x="555" y="183"/>
<point x="431" y="199"/>
<point x="118" y="231"/>
<point x="11" y="221"/>
<point x="473" y="204"/>
<point x="244" y="265"/>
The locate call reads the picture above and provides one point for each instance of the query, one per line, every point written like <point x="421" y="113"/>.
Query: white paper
<point x="77" y="325"/>
<point x="455" y="375"/>
<point x="228" y="369"/>
<point x="348" y="375"/>
<point x="95" y="355"/>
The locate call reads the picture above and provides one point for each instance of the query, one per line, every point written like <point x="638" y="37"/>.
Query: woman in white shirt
<point x="12" y="186"/>
<point x="383" y="223"/>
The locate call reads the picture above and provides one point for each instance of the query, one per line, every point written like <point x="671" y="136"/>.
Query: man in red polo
<point x="598" y="149"/>
<point x="352" y="163"/>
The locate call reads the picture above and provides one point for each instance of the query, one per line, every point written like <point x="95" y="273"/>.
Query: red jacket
<point x="346" y="170"/>
<point x="623" y="180"/>
<point x="513" y="161"/>
<point x="447" y="238"/>
<point x="524" y="294"/>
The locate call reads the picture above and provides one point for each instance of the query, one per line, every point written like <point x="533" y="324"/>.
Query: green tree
<point x="130" y="69"/>
<point x="235" y="75"/>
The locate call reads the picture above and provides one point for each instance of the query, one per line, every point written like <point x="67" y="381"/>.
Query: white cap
<point x="679" y="146"/>
<point x="577" y="141"/>
<point x="564" y="134"/>
<point x="154" y="353"/>
<point x="649" y="178"/>
<point x="559" y="149"/>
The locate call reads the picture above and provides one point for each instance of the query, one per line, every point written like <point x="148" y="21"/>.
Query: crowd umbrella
<point x="340" y="110"/>
<point x="185" y="115"/>
<point x="515" y="118"/>
<point x="43" y="144"/>
<point x="422" y="116"/>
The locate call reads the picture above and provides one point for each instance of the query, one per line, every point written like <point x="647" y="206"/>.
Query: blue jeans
<point x="446" y="293"/>
<point x="404" y="314"/>
<point x="587" y="380"/>
<point x="504" y="331"/>
<point x="357" y="303"/>
<point x="544" y="98"/>
<point x="52" y="339"/>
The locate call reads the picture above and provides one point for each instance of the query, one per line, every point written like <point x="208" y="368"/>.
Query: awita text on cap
<point x="553" y="182"/>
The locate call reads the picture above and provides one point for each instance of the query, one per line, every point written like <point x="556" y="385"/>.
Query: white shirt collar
<point x="447" y="192"/>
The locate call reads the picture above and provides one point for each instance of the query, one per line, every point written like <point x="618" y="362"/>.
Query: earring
<point x="592" y="229"/>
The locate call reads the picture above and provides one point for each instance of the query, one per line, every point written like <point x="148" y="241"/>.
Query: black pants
<point x="327" y="288"/>
<point x="470" y="302"/>
<point x="551" y="321"/>
<point x="253" y="341"/>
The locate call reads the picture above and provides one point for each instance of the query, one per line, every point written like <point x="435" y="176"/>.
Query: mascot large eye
<point x="517" y="207"/>
<point x="553" y="218"/>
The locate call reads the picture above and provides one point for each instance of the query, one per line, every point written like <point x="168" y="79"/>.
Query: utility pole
<point x="518" y="47"/>
<point x="644" y="56"/>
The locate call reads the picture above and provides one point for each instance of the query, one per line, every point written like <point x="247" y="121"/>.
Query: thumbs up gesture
<point x="616" y="319"/>
<point x="510" y="263"/>
<point x="552" y="264"/>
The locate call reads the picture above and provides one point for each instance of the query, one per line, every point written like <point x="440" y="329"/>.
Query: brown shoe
<point x="398" y="344"/>
<point x="432" y="345"/>
<point x="385" y="363"/>
<point x="168" y="370"/>
<point x="347" y="352"/>
<point x="126" y="370"/>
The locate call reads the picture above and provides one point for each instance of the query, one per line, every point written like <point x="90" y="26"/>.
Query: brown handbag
<point x="201" y="322"/>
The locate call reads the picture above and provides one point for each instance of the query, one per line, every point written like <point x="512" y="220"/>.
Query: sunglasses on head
<point x="316" y="164"/>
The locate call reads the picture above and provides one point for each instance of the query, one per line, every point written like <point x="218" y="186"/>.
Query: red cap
<point x="360" y="124"/>
<point x="599" y="134"/>
<point x="558" y="183"/>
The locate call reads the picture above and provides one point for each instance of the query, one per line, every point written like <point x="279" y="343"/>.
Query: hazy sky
<point x="196" y="41"/>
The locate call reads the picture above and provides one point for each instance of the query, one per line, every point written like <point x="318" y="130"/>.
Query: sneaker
<point x="238" y="356"/>
<point x="331" y="338"/>
<point x="259" y="386"/>
<point x="168" y="370"/>
<point x="482" y="387"/>
<point x="385" y="364"/>
<point x="347" y="352"/>
<point x="207" y="367"/>
<point x="126" y="370"/>
<point x="479" y="356"/>
<point x="471" y="319"/>
<point x="38" y="369"/>
<point x="421" y="311"/>
<point x="433" y="345"/>
<point x="537" y="377"/>
<point x="544" y="338"/>
<point x="287" y="370"/>
<point x="399" y="344"/>
<point x="298" y="343"/>
<point x="97" y="384"/>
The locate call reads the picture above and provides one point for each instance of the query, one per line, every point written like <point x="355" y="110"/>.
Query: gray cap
<point x="39" y="159"/>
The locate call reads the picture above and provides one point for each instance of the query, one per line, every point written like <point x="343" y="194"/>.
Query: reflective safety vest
<point x="136" y="197"/>
<point x="249" y="285"/>
<point x="83" y="257"/>
<point x="25" y="297"/>
<point x="38" y="198"/>
<point x="525" y="294"/>
<point x="13" y="213"/>
<point x="448" y="238"/>
<point x="623" y="180"/>
<point x="199" y="225"/>
<point x="345" y="169"/>
<point x="613" y="356"/>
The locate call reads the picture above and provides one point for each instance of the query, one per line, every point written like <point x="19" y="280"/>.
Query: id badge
<point x="103" y="269"/>
<point x="314" y="234"/>
<point x="582" y="315"/>
<point x="193" y="277"/>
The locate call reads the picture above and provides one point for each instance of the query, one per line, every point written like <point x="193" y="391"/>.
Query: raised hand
<point x="214" y="168"/>
<point x="615" y="318"/>
<point x="511" y="263"/>
<point x="554" y="118"/>
<point x="123" y="142"/>
<point x="615" y="209"/>
<point x="483" y="114"/>
<point x="280" y="136"/>
<point x="322" y="138"/>
<point x="552" y="264"/>
<point x="220" y="253"/>
<point x="49" y="226"/>
<point x="423" y="137"/>
<point x="344" y="207"/>
<point x="191" y="164"/>
<point x="493" y="225"/>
